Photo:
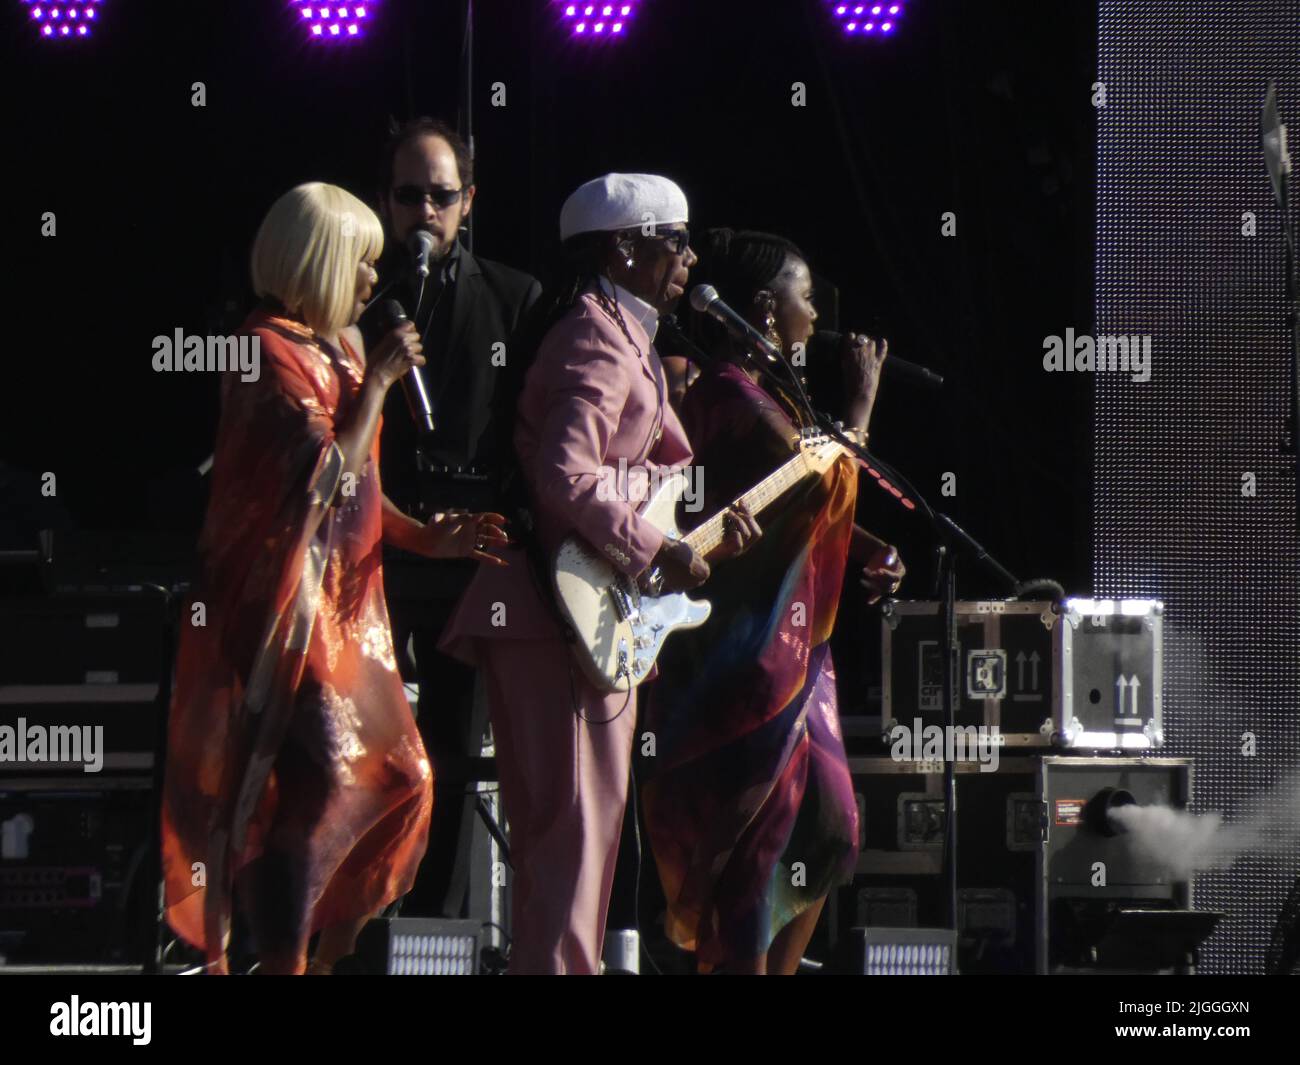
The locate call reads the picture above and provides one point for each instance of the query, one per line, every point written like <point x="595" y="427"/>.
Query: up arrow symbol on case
<point x="1122" y="686"/>
<point x="1033" y="660"/>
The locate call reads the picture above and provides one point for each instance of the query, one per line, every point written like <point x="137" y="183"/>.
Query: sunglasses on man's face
<point x="676" y="239"/>
<point x="415" y="195"/>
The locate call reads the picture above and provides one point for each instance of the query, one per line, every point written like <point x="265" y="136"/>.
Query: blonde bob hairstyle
<point x="307" y="251"/>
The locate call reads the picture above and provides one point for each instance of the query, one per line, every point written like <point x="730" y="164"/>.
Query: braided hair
<point x="581" y="265"/>
<point x="739" y="264"/>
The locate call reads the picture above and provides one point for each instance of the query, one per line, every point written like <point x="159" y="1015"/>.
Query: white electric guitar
<point x="620" y="629"/>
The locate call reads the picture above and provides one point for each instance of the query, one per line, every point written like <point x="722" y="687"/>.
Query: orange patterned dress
<point x="295" y="779"/>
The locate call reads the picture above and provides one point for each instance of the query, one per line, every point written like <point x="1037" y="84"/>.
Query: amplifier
<point x="81" y="680"/>
<point x="75" y="869"/>
<point x="1082" y="673"/>
<point x="900" y="882"/>
<point x="1046" y="880"/>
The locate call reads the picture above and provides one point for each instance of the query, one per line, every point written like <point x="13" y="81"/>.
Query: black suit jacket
<point x="473" y="429"/>
<point x="489" y="304"/>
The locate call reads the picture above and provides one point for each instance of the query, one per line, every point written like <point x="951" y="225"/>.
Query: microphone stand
<point x="947" y="536"/>
<point x="465" y="114"/>
<point x="1278" y="162"/>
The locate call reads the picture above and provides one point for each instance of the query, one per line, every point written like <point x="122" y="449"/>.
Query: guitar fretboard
<point x="704" y="538"/>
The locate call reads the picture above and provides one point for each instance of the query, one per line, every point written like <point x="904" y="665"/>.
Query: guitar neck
<point x="704" y="538"/>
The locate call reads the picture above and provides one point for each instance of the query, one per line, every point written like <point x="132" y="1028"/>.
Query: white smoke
<point x="1179" y="841"/>
<point x="1184" y="842"/>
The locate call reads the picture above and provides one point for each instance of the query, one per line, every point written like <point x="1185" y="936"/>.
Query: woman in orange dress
<point x="296" y="780"/>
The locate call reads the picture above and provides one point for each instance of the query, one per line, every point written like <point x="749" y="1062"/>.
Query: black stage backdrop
<point x="1189" y="252"/>
<point x="982" y="109"/>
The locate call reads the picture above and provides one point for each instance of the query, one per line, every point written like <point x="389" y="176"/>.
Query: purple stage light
<point x="597" y="20"/>
<point x="70" y="15"/>
<point x="866" y="19"/>
<point x="333" y="22"/>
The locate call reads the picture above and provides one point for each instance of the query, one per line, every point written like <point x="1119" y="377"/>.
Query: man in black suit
<point x="469" y="312"/>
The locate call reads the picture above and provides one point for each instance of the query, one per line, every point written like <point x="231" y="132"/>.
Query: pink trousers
<point x="564" y="777"/>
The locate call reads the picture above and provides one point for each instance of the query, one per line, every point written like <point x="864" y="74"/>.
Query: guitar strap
<point x="661" y="390"/>
<point x="656" y="369"/>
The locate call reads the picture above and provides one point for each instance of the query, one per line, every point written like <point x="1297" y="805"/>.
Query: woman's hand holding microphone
<point x="393" y="357"/>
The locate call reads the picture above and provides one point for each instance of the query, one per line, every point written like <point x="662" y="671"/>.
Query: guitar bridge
<point x="626" y="601"/>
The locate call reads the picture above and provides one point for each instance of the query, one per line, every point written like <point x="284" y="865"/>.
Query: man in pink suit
<point x="595" y="394"/>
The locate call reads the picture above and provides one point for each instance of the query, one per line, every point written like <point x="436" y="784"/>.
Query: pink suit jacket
<point x="589" y="399"/>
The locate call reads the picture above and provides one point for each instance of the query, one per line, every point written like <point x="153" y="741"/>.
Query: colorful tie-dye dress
<point x="748" y="801"/>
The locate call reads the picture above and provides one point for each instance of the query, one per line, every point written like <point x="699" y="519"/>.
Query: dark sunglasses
<point x="677" y="239"/>
<point x="414" y="195"/>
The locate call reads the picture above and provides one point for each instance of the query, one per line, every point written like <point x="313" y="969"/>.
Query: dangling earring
<point x="769" y="322"/>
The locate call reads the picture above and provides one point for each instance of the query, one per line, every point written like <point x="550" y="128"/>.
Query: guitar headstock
<point x="818" y="449"/>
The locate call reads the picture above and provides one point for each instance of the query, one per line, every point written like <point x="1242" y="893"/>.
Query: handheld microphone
<point x="420" y="245"/>
<point x="390" y="316"/>
<point x="705" y="299"/>
<point x="825" y="344"/>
